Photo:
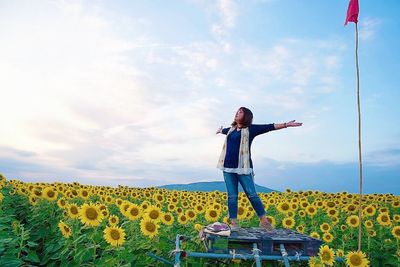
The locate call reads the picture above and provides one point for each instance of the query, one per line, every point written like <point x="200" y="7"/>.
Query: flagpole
<point x="359" y="142"/>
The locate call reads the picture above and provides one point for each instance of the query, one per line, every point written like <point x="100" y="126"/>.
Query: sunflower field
<point x="70" y="224"/>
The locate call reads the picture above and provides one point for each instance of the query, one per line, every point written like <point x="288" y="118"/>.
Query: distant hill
<point x="210" y="186"/>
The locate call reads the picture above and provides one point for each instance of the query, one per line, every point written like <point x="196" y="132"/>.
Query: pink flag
<point x="352" y="12"/>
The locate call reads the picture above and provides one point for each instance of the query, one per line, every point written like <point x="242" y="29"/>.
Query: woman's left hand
<point x="293" y="123"/>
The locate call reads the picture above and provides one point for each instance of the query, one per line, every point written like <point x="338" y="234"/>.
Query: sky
<point x="132" y="92"/>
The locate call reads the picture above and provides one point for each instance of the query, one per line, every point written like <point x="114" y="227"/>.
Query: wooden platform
<point x="241" y="242"/>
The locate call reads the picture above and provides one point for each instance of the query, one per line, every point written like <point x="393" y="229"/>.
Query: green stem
<point x="94" y="246"/>
<point x="22" y="242"/>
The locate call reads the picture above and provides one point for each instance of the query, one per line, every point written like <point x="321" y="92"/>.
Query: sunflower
<point x="198" y="227"/>
<point x="369" y="210"/>
<point x="145" y="204"/>
<point x="242" y="212"/>
<point x="356" y="259"/>
<point x="199" y="208"/>
<point x="73" y="211"/>
<point x="327" y="237"/>
<point x="384" y="219"/>
<point x="325" y="227"/>
<point x="119" y="201"/>
<point x="148" y="227"/>
<point x="288" y="222"/>
<point x="158" y="197"/>
<point x="272" y="220"/>
<point x="368" y="224"/>
<point x="396" y="232"/>
<point x="332" y="212"/>
<point x="326" y="255"/>
<point x="171" y="207"/>
<point x="304" y="204"/>
<point x="315" y="235"/>
<point x="134" y="212"/>
<point x="371" y="233"/>
<point x="302" y="213"/>
<point x="191" y="215"/>
<point x="339" y="253"/>
<point x="167" y="218"/>
<point x="284" y="207"/>
<point x="154" y="213"/>
<point x="353" y="221"/>
<point x="50" y="193"/>
<point x="90" y="215"/>
<point x="114" y="235"/>
<point x="300" y="229"/>
<point x="124" y="207"/>
<point x="315" y="262"/>
<point x="212" y="215"/>
<point x="396" y="204"/>
<point x="183" y="219"/>
<point x="113" y="220"/>
<point x="65" y="229"/>
<point x="83" y="193"/>
<point x="62" y="203"/>
<point x="396" y="218"/>
<point x="311" y="210"/>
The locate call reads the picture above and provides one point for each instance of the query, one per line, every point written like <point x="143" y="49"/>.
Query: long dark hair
<point x="247" y="119"/>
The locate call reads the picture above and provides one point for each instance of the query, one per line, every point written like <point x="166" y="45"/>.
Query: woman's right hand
<point x="219" y="130"/>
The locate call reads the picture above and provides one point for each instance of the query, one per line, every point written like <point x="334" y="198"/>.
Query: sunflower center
<point x="115" y="234"/>
<point x="92" y="214"/>
<point x="213" y="213"/>
<point x="134" y="211"/>
<point x="326" y="256"/>
<point x="167" y="217"/>
<point x="74" y="210"/>
<point x="154" y="214"/>
<point x="50" y="193"/>
<point x="151" y="227"/>
<point x="66" y="229"/>
<point x="355" y="260"/>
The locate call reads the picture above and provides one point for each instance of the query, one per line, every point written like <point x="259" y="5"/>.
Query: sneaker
<point x="267" y="226"/>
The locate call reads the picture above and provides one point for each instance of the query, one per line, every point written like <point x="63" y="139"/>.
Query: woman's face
<point x="239" y="116"/>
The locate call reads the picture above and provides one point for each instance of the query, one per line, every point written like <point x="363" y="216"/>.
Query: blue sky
<point x="132" y="92"/>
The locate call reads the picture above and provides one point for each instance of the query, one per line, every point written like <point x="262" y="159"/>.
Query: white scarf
<point x="244" y="153"/>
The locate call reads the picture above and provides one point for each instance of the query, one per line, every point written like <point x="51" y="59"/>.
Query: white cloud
<point x="369" y="27"/>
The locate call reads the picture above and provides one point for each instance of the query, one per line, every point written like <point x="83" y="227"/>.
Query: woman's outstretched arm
<point x="292" y="123"/>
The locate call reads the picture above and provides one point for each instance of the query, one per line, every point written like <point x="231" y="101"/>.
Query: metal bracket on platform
<point x="284" y="255"/>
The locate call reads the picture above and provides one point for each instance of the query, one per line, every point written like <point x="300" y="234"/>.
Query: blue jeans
<point x="247" y="182"/>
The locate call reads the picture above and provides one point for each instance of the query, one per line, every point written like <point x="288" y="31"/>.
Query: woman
<point x="237" y="166"/>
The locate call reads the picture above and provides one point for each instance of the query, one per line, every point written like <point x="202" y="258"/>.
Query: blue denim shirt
<point x="233" y="143"/>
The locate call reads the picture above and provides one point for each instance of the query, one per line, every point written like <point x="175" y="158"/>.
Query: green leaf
<point x="10" y="262"/>
<point x="32" y="257"/>
<point x="79" y="239"/>
<point x="32" y="244"/>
